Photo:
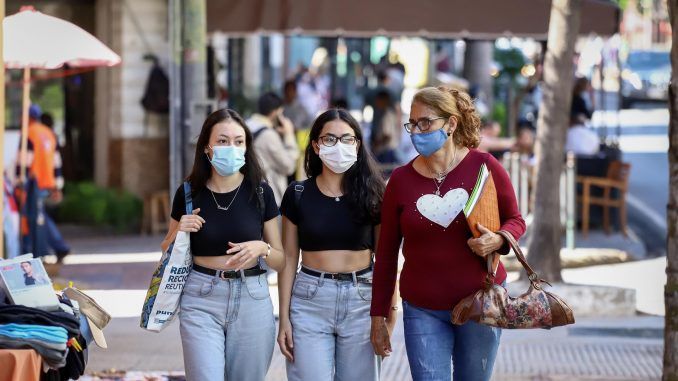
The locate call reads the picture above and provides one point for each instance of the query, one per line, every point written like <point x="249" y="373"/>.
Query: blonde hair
<point x="448" y="102"/>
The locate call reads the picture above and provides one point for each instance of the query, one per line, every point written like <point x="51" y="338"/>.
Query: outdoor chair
<point x="156" y="213"/>
<point x="614" y="187"/>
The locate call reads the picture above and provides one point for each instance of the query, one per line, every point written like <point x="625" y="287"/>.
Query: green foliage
<point x="499" y="114"/>
<point x="51" y="99"/>
<point x="511" y="61"/>
<point x="86" y="203"/>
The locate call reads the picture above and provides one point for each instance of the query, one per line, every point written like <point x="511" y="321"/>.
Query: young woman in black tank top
<point x="333" y="219"/>
<point x="227" y="323"/>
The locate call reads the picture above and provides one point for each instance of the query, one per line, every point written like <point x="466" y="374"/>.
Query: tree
<point x="545" y="236"/>
<point x="671" y="289"/>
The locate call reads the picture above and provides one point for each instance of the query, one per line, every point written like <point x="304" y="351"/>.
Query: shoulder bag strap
<point x="188" y="198"/>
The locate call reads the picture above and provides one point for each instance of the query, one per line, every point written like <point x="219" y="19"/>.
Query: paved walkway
<point x="116" y="272"/>
<point x="586" y="351"/>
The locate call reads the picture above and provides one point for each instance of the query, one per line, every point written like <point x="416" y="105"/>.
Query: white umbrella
<point x="34" y="40"/>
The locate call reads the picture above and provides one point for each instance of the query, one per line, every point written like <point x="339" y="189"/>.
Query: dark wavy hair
<point x="202" y="169"/>
<point x="363" y="183"/>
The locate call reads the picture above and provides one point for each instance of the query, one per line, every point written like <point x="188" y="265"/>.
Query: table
<point x="20" y="365"/>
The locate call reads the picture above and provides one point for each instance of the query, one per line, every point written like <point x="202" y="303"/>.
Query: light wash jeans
<point x="227" y="328"/>
<point x="331" y="330"/>
<point x="434" y="345"/>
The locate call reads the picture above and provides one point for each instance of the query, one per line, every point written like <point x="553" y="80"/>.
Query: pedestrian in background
<point x="385" y="136"/>
<point x="44" y="171"/>
<point x="333" y="217"/>
<point x="275" y="142"/>
<point x="442" y="261"/>
<point x="581" y="140"/>
<point x="582" y="98"/>
<point x="491" y="141"/>
<point x="227" y="324"/>
<point x="300" y="118"/>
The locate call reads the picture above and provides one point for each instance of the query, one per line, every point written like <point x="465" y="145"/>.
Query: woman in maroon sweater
<point x="422" y="209"/>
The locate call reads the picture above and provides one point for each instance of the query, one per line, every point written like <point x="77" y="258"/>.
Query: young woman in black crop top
<point x="333" y="219"/>
<point x="227" y="323"/>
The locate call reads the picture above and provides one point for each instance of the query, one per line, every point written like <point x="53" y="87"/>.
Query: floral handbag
<point x="493" y="306"/>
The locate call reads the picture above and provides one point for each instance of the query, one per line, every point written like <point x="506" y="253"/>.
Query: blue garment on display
<point x="34" y="332"/>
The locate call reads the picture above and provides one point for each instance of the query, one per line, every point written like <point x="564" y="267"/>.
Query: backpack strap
<point x="188" y="198"/>
<point x="298" y="190"/>
<point x="258" y="132"/>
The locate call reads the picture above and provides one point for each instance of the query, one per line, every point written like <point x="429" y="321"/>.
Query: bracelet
<point x="268" y="250"/>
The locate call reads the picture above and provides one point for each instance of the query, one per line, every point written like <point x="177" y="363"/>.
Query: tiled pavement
<point x="601" y="350"/>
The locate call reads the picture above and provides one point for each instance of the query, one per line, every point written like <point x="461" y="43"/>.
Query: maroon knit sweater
<point x="440" y="269"/>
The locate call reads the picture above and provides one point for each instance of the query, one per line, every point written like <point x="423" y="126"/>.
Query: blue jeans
<point x="54" y="238"/>
<point x="227" y="328"/>
<point x="331" y="330"/>
<point x="434" y="345"/>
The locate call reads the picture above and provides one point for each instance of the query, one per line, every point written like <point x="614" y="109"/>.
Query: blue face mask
<point x="427" y="143"/>
<point x="227" y="160"/>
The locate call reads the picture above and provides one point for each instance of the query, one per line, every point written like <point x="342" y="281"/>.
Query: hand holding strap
<point x="532" y="275"/>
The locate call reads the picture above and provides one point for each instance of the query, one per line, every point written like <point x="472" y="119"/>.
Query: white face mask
<point x="340" y="157"/>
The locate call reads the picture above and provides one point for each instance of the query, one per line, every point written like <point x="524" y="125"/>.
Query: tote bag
<point x="169" y="278"/>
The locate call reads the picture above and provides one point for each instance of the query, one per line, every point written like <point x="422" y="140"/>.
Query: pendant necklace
<point x="336" y="198"/>
<point x="439" y="177"/>
<point x="225" y="208"/>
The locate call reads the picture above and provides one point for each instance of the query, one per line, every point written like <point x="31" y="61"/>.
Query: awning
<point x="470" y="19"/>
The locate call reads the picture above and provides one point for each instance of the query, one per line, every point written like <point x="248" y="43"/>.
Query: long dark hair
<point x="362" y="183"/>
<point x="202" y="169"/>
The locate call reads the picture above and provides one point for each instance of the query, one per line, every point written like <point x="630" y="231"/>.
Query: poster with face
<point x="26" y="282"/>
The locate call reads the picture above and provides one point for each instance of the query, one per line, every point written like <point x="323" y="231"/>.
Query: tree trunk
<point x="477" y="67"/>
<point x="671" y="289"/>
<point x="545" y="235"/>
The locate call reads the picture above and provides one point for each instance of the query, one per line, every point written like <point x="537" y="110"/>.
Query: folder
<point x="482" y="208"/>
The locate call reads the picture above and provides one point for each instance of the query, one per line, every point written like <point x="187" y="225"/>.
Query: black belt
<point x="339" y="276"/>
<point x="229" y="274"/>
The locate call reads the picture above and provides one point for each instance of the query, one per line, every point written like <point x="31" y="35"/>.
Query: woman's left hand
<point x="487" y="243"/>
<point x="244" y="253"/>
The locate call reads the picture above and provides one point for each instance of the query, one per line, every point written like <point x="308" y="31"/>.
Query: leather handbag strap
<point x="532" y="275"/>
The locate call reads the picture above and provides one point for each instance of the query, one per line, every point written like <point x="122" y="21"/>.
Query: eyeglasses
<point x="330" y="140"/>
<point x="423" y="124"/>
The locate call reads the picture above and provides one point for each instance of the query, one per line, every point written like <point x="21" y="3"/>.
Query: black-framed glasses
<point x="330" y="140"/>
<point x="423" y="124"/>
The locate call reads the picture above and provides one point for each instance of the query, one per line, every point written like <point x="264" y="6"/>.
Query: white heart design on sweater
<point x="443" y="210"/>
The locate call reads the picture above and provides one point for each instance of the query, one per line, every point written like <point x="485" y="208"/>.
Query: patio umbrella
<point x="34" y="40"/>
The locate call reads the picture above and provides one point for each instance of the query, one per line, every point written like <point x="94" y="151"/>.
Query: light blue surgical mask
<point x="427" y="143"/>
<point x="227" y="160"/>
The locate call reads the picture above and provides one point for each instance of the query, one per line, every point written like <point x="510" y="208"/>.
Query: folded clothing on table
<point x="26" y="315"/>
<point x="44" y="333"/>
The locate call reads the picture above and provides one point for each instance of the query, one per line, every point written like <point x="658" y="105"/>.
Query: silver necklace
<point x="336" y="198"/>
<point x="225" y="208"/>
<point x="439" y="177"/>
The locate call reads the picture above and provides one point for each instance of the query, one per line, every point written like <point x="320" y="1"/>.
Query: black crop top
<point x="324" y="223"/>
<point x="240" y="223"/>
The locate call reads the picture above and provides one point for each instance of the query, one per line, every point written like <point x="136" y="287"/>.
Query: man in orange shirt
<point x="43" y="165"/>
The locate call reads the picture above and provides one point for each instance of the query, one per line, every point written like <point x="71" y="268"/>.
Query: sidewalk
<point x="116" y="271"/>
